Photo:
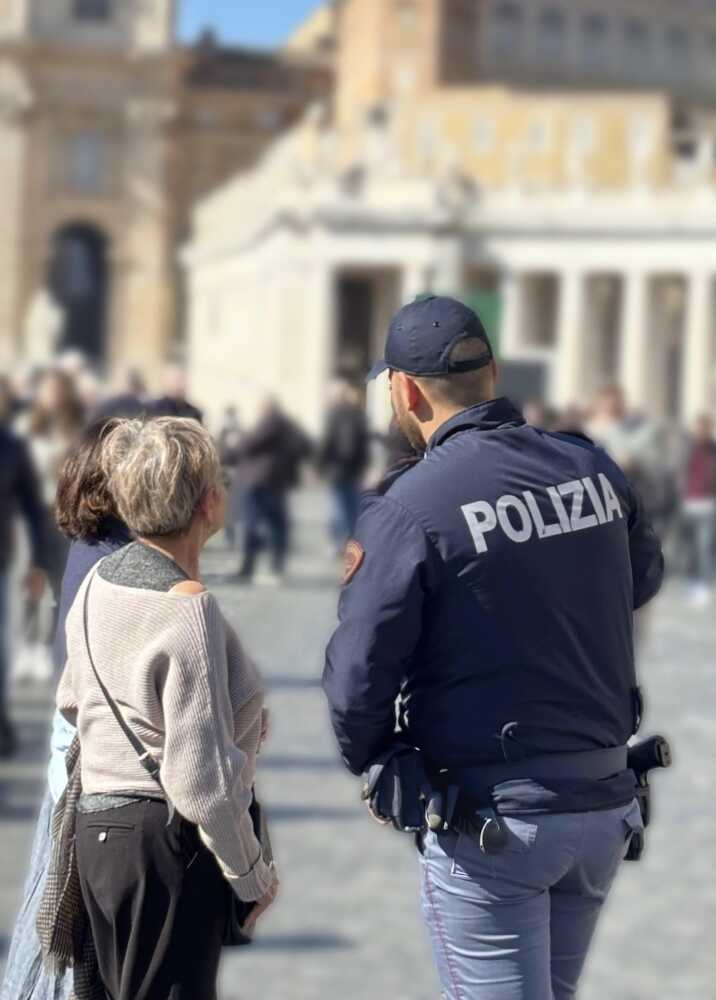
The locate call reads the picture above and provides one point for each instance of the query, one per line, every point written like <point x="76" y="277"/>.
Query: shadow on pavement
<point x="289" y="814"/>
<point x="285" y="681"/>
<point x="20" y="799"/>
<point x="303" y="942"/>
<point x="285" y="762"/>
<point x="307" y="581"/>
<point x="33" y="739"/>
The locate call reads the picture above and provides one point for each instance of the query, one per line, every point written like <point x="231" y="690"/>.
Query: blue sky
<point x="250" y="22"/>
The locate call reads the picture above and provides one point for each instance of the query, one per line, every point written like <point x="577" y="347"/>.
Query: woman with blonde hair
<point x="149" y="653"/>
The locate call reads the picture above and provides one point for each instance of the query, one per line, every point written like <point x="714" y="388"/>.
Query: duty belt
<point x="594" y="764"/>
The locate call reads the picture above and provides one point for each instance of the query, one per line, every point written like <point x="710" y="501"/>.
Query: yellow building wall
<point x="499" y="136"/>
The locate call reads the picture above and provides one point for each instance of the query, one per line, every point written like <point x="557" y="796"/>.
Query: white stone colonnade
<point x="570" y="354"/>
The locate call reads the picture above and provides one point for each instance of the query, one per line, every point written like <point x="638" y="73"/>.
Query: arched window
<point x="550" y="35"/>
<point x="93" y="10"/>
<point x="78" y="278"/>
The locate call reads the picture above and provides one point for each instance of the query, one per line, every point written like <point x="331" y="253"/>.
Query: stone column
<point x="15" y="104"/>
<point x="416" y="280"/>
<point x="634" y="360"/>
<point x="698" y="364"/>
<point x="568" y="371"/>
<point x="510" y="293"/>
<point x="447" y="273"/>
<point x="144" y="304"/>
<point x="321" y="336"/>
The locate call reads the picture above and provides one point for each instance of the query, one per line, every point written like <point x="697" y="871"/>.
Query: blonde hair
<point x="158" y="471"/>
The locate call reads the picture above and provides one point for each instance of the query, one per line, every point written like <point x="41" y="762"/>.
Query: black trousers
<point x="266" y="510"/>
<point x="157" y="903"/>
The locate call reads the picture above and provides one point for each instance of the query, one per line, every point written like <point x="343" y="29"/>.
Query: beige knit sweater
<point x="183" y="683"/>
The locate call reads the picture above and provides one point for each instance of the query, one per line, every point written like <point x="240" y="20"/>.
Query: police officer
<point x="490" y="588"/>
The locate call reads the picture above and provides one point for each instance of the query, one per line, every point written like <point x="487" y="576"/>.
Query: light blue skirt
<point x="25" y="976"/>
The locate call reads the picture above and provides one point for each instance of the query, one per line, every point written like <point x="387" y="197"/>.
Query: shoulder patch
<point x="352" y="560"/>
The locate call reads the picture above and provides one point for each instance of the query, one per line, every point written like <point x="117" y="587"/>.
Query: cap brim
<point x="376" y="370"/>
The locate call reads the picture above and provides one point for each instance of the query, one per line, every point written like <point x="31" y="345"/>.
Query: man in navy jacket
<point x="19" y="495"/>
<point x="490" y="589"/>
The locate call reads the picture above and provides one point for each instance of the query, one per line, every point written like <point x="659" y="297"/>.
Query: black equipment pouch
<point x="488" y="832"/>
<point x="643" y="758"/>
<point x="401" y="792"/>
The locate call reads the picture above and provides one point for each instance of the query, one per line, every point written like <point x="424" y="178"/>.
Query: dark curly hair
<point x="84" y="502"/>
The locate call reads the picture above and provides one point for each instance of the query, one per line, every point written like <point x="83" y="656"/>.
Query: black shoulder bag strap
<point x="148" y="762"/>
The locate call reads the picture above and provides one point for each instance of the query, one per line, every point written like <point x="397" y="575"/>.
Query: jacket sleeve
<point x="380" y="622"/>
<point x="647" y="560"/>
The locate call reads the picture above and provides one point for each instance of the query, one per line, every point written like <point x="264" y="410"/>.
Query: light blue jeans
<point x="25" y="976"/>
<point x="517" y="925"/>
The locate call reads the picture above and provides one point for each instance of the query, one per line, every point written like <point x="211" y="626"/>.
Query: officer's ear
<point x="414" y="395"/>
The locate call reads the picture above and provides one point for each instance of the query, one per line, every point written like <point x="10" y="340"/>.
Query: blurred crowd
<point x="42" y="411"/>
<point x="672" y="468"/>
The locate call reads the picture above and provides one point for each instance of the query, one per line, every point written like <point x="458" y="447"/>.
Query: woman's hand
<point x="262" y="904"/>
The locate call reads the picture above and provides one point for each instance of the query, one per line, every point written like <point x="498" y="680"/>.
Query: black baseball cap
<point x="423" y="334"/>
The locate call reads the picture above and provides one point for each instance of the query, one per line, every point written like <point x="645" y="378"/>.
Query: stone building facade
<point x="109" y="132"/>
<point x="553" y="161"/>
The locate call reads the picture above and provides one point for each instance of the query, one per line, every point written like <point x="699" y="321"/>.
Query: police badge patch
<point x="352" y="560"/>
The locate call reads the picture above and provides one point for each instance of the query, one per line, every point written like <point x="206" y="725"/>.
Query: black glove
<point x="397" y="787"/>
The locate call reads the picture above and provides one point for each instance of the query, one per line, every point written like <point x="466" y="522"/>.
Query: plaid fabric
<point x="62" y="924"/>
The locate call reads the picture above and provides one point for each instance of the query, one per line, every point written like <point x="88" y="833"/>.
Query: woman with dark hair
<point x="86" y="515"/>
<point x="50" y="428"/>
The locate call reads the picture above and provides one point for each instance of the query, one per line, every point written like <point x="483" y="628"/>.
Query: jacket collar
<point x="489" y="416"/>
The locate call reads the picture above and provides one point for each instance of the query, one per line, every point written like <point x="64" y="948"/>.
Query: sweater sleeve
<point x="66" y="700"/>
<point x="206" y="775"/>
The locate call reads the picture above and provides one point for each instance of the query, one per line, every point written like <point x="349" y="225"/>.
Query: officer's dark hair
<point x="467" y="388"/>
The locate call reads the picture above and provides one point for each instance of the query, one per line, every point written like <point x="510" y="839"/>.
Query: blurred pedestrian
<point x="699" y="509"/>
<point x="19" y="494"/>
<point x="570" y="420"/>
<point x="538" y="414"/>
<point x="641" y="446"/>
<point x="50" y="427"/>
<point x="174" y="402"/>
<point x="271" y="457"/>
<point x="626" y="435"/>
<point x="86" y="515"/>
<point x="130" y="400"/>
<point x="158" y="857"/>
<point x="343" y="456"/>
<point x="229" y="445"/>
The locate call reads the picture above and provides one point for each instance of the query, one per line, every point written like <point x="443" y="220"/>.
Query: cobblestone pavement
<point x="348" y="921"/>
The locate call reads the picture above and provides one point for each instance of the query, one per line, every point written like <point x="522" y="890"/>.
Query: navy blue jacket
<point x="496" y="597"/>
<point x="19" y="493"/>
<point x="83" y="555"/>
